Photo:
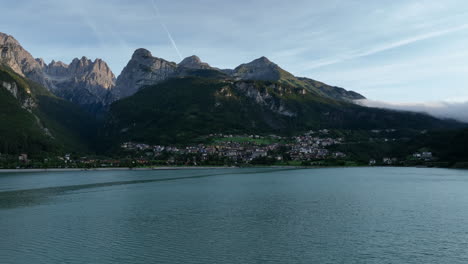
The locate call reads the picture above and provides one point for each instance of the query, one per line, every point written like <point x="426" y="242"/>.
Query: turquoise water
<point x="342" y="215"/>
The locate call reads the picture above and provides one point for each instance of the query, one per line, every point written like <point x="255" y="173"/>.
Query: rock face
<point x="264" y="98"/>
<point x="84" y="82"/>
<point x="19" y="60"/>
<point x="144" y="69"/>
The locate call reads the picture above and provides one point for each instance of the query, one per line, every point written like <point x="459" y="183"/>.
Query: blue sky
<point x="394" y="51"/>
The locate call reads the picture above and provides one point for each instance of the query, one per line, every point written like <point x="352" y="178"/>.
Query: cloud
<point x="385" y="47"/>
<point x="445" y="109"/>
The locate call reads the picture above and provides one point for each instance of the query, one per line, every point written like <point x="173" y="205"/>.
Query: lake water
<point x="338" y="215"/>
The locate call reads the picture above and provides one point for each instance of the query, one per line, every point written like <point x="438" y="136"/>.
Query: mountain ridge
<point x="93" y="85"/>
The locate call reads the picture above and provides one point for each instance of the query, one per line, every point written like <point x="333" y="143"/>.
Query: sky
<point x="400" y="51"/>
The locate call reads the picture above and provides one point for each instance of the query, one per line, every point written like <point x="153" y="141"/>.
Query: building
<point x="23" y="157"/>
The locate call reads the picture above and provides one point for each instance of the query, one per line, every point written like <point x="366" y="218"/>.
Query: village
<point x="318" y="148"/>
<point x="244" y="149"/>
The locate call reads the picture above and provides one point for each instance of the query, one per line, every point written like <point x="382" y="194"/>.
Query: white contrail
<point x="158" y="16"/>
<point x="385" y="47"/>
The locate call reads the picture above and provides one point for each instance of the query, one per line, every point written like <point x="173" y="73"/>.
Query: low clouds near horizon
<point x="442" y="109"/>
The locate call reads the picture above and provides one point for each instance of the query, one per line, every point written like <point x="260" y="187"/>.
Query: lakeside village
<point x="314" y="148"/>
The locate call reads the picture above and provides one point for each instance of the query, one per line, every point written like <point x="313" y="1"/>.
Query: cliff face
<point x="13" y="55"/>
<point x="84" y="82"/>
<point x="142" y="69"/>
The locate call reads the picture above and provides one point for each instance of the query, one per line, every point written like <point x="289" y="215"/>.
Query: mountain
<point x="143" y="69"/>
<point x="19" y="60"/>
<point x="263" y="69"/>
<point x="83" y="82"/>
<point x="34" y="121"/>
<point x="158" y="101"/>
<point x="180" y="110"/>
<point x="92" y="84"/>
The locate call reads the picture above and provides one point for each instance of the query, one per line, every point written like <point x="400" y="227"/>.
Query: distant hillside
<point x="181" y="109"/>
<point x="32" y="120"/>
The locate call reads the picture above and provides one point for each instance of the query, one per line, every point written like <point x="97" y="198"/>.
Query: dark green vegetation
<point x="451" y="145"/>
<point x="447" y="146"/>
<point x="35" y="121"/>
<point x="181" y="110"/>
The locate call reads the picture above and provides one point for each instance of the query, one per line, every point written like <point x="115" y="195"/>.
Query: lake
<point x="335" y="215"/>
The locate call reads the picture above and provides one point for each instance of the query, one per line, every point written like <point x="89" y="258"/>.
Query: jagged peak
<point x="79" y="63"/>
<point x="100" y="62"/>
<point x="41" y="62"/>
<point x="83" y="58"/>
<point x="101" y="65"/>
<point x="54" y="63"/>
<point x="7" y="39"/>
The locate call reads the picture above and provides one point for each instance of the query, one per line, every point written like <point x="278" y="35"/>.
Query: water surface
<point x="342" y="215"/>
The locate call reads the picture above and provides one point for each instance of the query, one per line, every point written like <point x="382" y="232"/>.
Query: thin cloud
<point x="452" y="110"/>
<point x="385" y="47"/>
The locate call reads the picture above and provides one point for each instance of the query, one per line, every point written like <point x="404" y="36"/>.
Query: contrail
<point x="387" y="46"/>
<point x="158" y="16"/>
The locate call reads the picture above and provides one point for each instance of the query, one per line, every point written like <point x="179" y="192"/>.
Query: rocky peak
<point x="54" y="63"/>
<point x="101" y="66"/>
<point x="142" y="69"/>
<point x="141" y="54"/>
<point x="79" y="65"/>
<point x="41" y="62"/>
<point x="84" y="82"/>
<point x="262" y="61"/>
<point x="19" y="60"/>
<point x="56" y="69"/>
<point x="7" y="41"/>
<point x="193" y="62"/>
<point x="259" y="69"/>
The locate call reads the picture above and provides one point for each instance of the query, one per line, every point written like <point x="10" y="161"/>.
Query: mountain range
<point x="92" y="84"/>
<point x="158" y="101"/>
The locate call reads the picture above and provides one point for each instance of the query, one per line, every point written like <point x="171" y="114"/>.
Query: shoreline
<point x="195" y="168"/>
<point x="144" y="169"/>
